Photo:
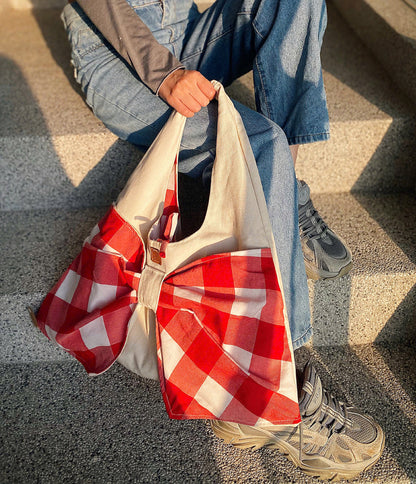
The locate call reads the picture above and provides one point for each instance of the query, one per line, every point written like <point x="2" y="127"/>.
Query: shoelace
<point x="310" y="222"/>
<point x="332" y="414"/>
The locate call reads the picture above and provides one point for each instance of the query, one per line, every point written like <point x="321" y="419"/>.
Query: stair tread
<point x="388" y="28"/>
<point x="59" y="422"/>
<point x="399" y="15"/>
<point x="37" y="87"/>
<point x="38" y="245"/>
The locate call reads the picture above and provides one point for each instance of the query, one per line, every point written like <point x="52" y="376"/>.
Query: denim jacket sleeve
<point x="132" y="39"/>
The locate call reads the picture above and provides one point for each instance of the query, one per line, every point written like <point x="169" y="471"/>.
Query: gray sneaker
<point x="325" y="253"/>
<point x="333" y="441"/>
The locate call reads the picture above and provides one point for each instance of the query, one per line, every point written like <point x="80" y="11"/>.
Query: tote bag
<point x="205" y="314"/>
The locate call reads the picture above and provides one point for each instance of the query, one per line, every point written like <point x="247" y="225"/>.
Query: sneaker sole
<point x="319" y="274"/>
<point x="254" y="442"/>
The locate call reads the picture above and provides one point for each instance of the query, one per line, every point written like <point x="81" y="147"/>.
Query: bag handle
<point x="141" y="198"/>
<point x="236" y="202"/>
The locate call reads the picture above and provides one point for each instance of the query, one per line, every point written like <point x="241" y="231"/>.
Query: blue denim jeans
<point x="280" y="41"/>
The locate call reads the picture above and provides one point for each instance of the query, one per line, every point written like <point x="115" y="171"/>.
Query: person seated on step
<point x="136" y="60"/>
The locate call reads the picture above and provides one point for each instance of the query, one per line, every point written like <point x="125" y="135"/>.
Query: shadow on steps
<point x="61" y="425"/>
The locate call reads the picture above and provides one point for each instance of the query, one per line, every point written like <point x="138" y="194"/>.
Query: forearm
<point x="132" y="39"/>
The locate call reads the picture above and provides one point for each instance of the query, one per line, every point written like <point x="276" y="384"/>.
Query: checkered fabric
<point x="223" y="351"/>
<point x="222" y="344"/>
<point x="88" y="310"/>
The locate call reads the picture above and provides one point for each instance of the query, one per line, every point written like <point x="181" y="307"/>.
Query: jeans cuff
<point x="302" y="339"/>
<point x="308" y="138"/>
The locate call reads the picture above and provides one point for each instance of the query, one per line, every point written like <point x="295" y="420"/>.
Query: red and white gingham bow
<point x="223" y="351"/>
<point x="222" y="346"/>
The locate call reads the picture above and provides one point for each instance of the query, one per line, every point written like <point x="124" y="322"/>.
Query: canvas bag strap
<point x="140" y="201"/>
<point x="237" y="211"/>
<point x="236" y="217"/>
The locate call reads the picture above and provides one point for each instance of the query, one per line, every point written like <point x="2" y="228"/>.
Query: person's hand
<point x="187" y="91"/>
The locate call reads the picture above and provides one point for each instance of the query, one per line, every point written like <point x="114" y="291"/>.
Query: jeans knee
<point x="271" y="151"/>
<point x="277" y="134"/>
<point x="264" y="134"/>
<point x="277" y="139"/>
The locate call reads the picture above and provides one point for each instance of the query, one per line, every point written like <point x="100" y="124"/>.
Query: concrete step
<point x="373" y="127"/>
<point x="55" y="153"/>
<point x="377" y="300"/>
<point x="61" y="168"/>
<point x="31" y="4"/>
<point x="374" y="303"/>
<point x="59" y="425"/>
<point x="388" y="28"/>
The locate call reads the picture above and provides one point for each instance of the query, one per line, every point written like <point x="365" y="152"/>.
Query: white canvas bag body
<point x="236" y="219"/>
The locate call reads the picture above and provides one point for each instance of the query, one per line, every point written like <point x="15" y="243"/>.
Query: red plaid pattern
<point x="223" y="351"/>
<point x="222" y="344"/>
<point x="88" y="310"/>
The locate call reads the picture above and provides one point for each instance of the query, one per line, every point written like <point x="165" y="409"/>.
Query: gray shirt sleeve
<point x="132" y="39"/>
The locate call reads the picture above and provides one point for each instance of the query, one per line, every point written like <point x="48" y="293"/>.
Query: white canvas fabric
<point x="236" y="220"/>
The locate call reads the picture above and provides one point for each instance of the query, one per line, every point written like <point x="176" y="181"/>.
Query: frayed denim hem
<point x="308" y="138"/>
<point x="303" y="339"/>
